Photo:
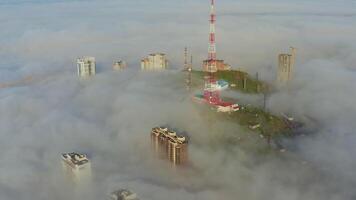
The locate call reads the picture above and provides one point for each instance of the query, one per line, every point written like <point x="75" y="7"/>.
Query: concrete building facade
<point x="168" y="145"/>
<point x="86" y="66"/>
<point x="156" y="61"/>
<point x="286" y="64"/>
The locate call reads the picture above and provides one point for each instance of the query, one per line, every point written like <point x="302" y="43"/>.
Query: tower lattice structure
<point x="211" y="95"/>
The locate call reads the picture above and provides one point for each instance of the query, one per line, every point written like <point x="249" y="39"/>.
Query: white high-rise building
<point x="156" y="61"/>
<point x="86" y="66"/>
<point x="285" y="67"/>
<point x="77" y="167"/>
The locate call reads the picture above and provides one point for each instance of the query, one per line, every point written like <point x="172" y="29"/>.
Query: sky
<point x="109" y="117"/>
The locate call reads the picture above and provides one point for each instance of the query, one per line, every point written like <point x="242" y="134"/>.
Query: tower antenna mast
<point x="212" y="43"/>
<point x="185" y="58"/>
<point x="211" y="95"/>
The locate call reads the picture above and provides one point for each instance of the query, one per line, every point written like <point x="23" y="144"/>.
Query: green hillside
<point x="253" y="118"/>
<point x="238" y="80"/>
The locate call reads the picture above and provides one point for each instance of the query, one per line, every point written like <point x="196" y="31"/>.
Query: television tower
<point x="211" y="95"/>
<point x="212" y="68"/>
<point x="212" y="86"/>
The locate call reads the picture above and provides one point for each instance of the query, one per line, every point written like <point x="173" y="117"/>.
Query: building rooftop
<point x="171" y="135"/>
<point x="86" y="59"/>
<point x="285" y="54"/>
<point x="155" y="54"/>
<point x="217" y="60"/>
<point x="75" y="158"/>
<point x="152" y="54"/>
<point x="123" y="194"/>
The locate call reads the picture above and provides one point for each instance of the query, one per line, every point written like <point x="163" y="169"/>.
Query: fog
<point x="109" y="117"/>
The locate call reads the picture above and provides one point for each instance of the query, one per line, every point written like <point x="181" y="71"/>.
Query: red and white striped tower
<point x="210" y="95"/>
<point x="212" y="45"/>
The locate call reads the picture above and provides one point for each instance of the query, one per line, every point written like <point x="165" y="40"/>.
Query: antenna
<point x="185" y="58"/>
<point x="212" y="43"/>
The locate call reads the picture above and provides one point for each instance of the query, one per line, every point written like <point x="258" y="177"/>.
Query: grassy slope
<point x="238" y="78"/>
<point x="270" y="125"/>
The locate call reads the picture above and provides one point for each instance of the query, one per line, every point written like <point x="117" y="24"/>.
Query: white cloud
<point x="110" y="116"/>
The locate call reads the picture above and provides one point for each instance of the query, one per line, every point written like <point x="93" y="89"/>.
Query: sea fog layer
<point x="109" y="117"/>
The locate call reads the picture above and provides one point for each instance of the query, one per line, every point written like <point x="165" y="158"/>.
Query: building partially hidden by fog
<point x="168" y="145"/>
<point x="286" y="64"/>
<point x="119" y="65"/>
<point x="86" y="66"/>
<point x="77" y="167"/>
<point x="123" y="194"/>
<point x="156" y="61"/>
<point x="220" y="64"/>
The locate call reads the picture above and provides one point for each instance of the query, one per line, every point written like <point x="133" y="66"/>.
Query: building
<point x="119" y="65"/>
<point x="168" y="145"/>
<point x="123" y="194"/>
<point x="157" y="61"/>
<point x="77" y="167"/>
<point x="220" y="65"/>
<point x="286" y="64"/>
<point x="86" y="66"/>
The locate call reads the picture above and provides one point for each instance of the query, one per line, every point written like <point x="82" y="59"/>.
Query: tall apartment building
<point x="286" y="64"/>
<point x="168" y="145"/>
<point x="157" y="61"/>
<point x="77" y="167"/>
<point x="86" y="66"/>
